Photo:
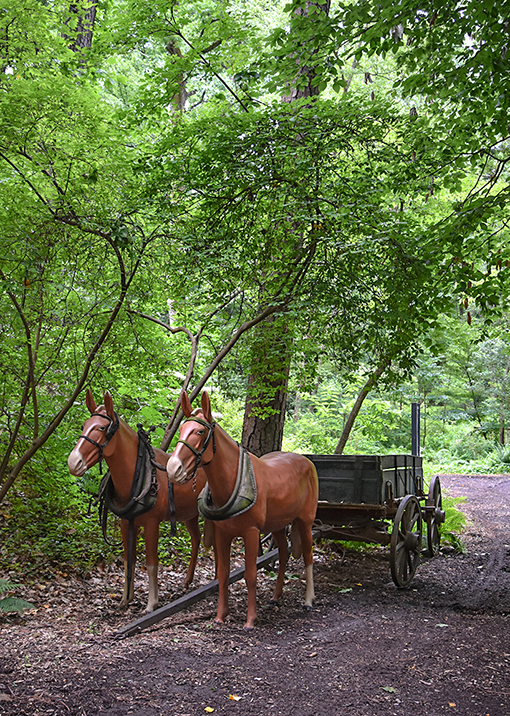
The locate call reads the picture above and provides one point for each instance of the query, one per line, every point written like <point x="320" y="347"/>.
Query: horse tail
<point x="295" y="541"/>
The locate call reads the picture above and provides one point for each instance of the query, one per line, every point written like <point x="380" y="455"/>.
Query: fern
<point x="11" y="604"/>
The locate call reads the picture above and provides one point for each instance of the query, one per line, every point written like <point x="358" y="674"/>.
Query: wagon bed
<point x="361" y="495"/>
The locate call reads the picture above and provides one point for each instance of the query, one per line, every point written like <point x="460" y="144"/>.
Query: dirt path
<point x="367" y="648"/>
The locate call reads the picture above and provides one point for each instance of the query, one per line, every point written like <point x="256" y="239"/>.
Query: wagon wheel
<point x="406" y="541"/>
<point x="434" y="517"/>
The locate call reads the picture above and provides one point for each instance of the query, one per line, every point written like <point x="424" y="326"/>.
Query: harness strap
<point x="171" y="509"/>
<point x="143" y="490"/>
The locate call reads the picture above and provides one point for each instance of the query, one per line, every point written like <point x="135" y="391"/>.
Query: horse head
<point x="196" y="444"/>
<point x="97" y="432"/>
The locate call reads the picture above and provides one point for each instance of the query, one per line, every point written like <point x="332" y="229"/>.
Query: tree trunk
<point x="358" y="403"/>
<point x="302" y="69"/>
<point x="85" y="14"/>
<point x="266" y="400"/>
<point x="263" y="435"/>
<point x="263" y="432"/>
<point x="180" y="98"/>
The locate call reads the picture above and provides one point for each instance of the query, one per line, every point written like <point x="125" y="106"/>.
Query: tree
<point x="451" y="74"/>
<point x="271" y="350"/>
<point x="316" y="208"/>
<point x="71" y="249"/>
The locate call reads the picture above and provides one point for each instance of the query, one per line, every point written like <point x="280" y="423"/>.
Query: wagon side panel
<point x="352" y="479"/>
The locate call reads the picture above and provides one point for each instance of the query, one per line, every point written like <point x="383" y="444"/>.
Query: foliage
<point x="454" y="524"/>
<point x="154" y="174"/>
<point x="46" y="528"/>
<point x="9" y="603"/>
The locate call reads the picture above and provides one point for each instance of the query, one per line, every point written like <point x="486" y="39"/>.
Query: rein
<point x="198" y="454"/>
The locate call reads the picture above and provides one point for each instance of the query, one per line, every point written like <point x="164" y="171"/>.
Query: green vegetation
<point x="9" y="603"/>
<point x="304" y="209"/>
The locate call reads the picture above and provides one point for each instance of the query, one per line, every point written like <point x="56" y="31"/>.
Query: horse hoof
<point x="274" y="603"/>
<point x="248" y="627"/>
<point x="308" y="608"/>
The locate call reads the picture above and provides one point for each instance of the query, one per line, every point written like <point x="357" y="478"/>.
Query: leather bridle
<point x="199" y="453"/>
<point x="110" y="432"/>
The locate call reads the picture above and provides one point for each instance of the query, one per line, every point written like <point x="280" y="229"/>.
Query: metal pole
<point x="415" y="429"/>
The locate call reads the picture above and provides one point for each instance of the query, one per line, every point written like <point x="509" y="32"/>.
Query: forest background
<point x="301" y="206"/>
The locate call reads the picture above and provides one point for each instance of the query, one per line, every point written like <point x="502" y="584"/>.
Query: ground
<point x="367" y="648"/>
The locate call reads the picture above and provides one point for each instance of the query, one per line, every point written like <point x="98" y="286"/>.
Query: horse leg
<point x="223" y="543"/>
<point x="194" y="532"/>
<point x="305" y="532"/>
<point x="251" y="550"/>
<point x="151" y="535"/>
<point x="280" y="539"/>
<point x="129" y="590"/>
<point x="209" y="541"/>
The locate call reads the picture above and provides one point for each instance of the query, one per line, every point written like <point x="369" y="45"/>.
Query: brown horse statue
<point x="105" y="435"/>
<point x="247" y="496"/>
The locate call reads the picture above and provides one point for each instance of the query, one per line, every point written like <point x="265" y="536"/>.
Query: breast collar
<point x="243" y="497"/>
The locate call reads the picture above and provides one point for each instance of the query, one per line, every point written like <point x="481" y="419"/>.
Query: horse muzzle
<point x="176" y="471"/>
<point x="76" y="464"/>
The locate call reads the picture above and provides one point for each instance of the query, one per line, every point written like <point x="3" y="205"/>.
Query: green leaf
<point x="13" y="604"/>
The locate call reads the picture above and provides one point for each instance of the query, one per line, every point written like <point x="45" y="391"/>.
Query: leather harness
<point x="244" y="494"/>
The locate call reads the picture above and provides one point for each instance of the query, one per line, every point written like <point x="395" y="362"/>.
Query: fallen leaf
<point x="452" y="703"/>
<point x="233" y="697"/>
<point x="389" y="689"/>
<point x="209" y="709"/>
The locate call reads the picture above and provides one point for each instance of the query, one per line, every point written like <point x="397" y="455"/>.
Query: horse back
<point x="288" y="484"/>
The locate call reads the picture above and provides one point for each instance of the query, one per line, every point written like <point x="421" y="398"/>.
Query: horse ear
<point x="90" y="402"/>
<point x="108" y="404"/>
<point x="206" y="406"/>
<point x="186" y="404"/>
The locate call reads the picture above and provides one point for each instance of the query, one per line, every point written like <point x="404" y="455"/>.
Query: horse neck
<point x="122" y="460"/>
<point x="221" y="472"/>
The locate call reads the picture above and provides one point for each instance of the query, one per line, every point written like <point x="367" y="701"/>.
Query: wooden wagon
<point x="362" y="496"/>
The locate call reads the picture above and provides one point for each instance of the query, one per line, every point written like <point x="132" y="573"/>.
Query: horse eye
<point x="201" y="431"/>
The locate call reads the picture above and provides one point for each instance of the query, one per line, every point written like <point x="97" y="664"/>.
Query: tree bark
<point x="264" y="414"/>
<point x="358" y="403"/>
<point x="86" y="18"/>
